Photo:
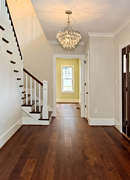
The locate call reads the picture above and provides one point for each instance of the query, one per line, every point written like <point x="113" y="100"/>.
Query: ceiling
<point x="103" y="16"/>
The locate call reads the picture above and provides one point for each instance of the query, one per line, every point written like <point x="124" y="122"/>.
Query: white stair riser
<point x="27" y="109"/>
<point x="35" y="116"/>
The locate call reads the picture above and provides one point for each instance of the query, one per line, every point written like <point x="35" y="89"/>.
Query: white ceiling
<point x="103" y="16"/>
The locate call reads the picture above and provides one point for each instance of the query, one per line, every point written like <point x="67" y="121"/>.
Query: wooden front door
<point x="126" y="90"/>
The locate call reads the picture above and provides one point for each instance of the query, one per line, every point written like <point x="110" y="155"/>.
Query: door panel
<point x="128" y="91"/>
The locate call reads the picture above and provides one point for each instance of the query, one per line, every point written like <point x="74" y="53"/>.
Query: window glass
<point x="124" y="63"/>
<point x="67" y="84"/>
<point x="67" y="78"/>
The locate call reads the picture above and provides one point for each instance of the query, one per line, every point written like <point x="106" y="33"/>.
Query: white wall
<point x="102" y="78"/>
<point x="121" y="39"/>
<point x="10" y="101"/>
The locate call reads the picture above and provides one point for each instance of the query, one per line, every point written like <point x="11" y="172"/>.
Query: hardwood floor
<point x="68" y="149"/>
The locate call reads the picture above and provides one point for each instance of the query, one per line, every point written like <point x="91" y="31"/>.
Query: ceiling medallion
<point x="68" y="37"/>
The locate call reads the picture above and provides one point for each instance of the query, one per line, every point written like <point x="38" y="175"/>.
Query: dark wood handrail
<point x="13" y="28"/>
<point x="33" y="77"/>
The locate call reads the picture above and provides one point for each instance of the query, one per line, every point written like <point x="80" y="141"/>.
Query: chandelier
<point x="67" y="36"/>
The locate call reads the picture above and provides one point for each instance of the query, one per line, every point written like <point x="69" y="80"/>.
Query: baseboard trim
<point x="101" y="122"/>
<point x="68" y="100"/>
<point x="9" y="133"/>
<point x="117" y="125"/>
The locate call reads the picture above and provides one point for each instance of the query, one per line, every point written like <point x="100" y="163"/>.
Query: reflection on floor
<point x="68" y="110"/>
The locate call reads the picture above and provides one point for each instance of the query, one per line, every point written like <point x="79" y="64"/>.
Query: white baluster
<point x="45" y="100"/>
<point x="26" y="88"/>
<point x="39" y="97"/>
<point x="35" y="94"/>
<point x="31" y="89"/>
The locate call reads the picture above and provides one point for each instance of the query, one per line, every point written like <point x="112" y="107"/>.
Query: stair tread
<point x="23" y="92"/>
<point x="49" y="115"/>
<point x="5" y="40"/>
<point x="29" y="103"/>
<point x="18" y="78"/>
<point x="13" y="62"/>
<point x="9" y="52"/>
<point x="16" y="71"/>
<point x="37" y="110"/>
<point x="21" y="86"/>
<point x="2" y="28"/>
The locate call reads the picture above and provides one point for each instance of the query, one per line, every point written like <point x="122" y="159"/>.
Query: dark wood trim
<point x="21" y="86"/>
<point x="13" y="27"/>
<point x="23" y="92"/>
<point x="16" y="71"/>
<point x="2" y="28"/>
<point x="5" y="40"/>
<point x="33" y="77"/>
<point x="9" y="52"/>
<point x="18" y="79"/>
<point x="12" y="62"/>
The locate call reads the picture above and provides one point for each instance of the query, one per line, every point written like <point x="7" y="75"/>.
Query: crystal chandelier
<point x="67" y="36"/>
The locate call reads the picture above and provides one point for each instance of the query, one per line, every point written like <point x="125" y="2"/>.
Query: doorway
<point x="81" y="57"/>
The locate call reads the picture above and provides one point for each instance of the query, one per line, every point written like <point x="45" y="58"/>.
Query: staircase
<point x="34" y="94"/>
<point x="35" y="100"/>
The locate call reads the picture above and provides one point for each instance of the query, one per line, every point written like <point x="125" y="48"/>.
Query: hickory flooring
<point x="68" y="149"/>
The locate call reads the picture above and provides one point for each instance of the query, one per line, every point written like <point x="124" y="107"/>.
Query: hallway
<point x="68" y="149"/>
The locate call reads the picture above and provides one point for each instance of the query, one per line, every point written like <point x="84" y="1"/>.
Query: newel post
<point x="45" y="100"/>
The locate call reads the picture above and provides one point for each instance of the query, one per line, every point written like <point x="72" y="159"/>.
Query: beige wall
<point x="102" y="77"/>
<point x="38" y="55"/>
<point x="58" y="49"/>
<point x="75" y="63"/>
<point x="87" y="45"/>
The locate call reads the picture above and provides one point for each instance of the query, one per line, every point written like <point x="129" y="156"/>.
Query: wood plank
<point x="28" y="170"/>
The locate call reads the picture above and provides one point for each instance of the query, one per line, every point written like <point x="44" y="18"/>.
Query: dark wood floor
<point x="68" y="149"/>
